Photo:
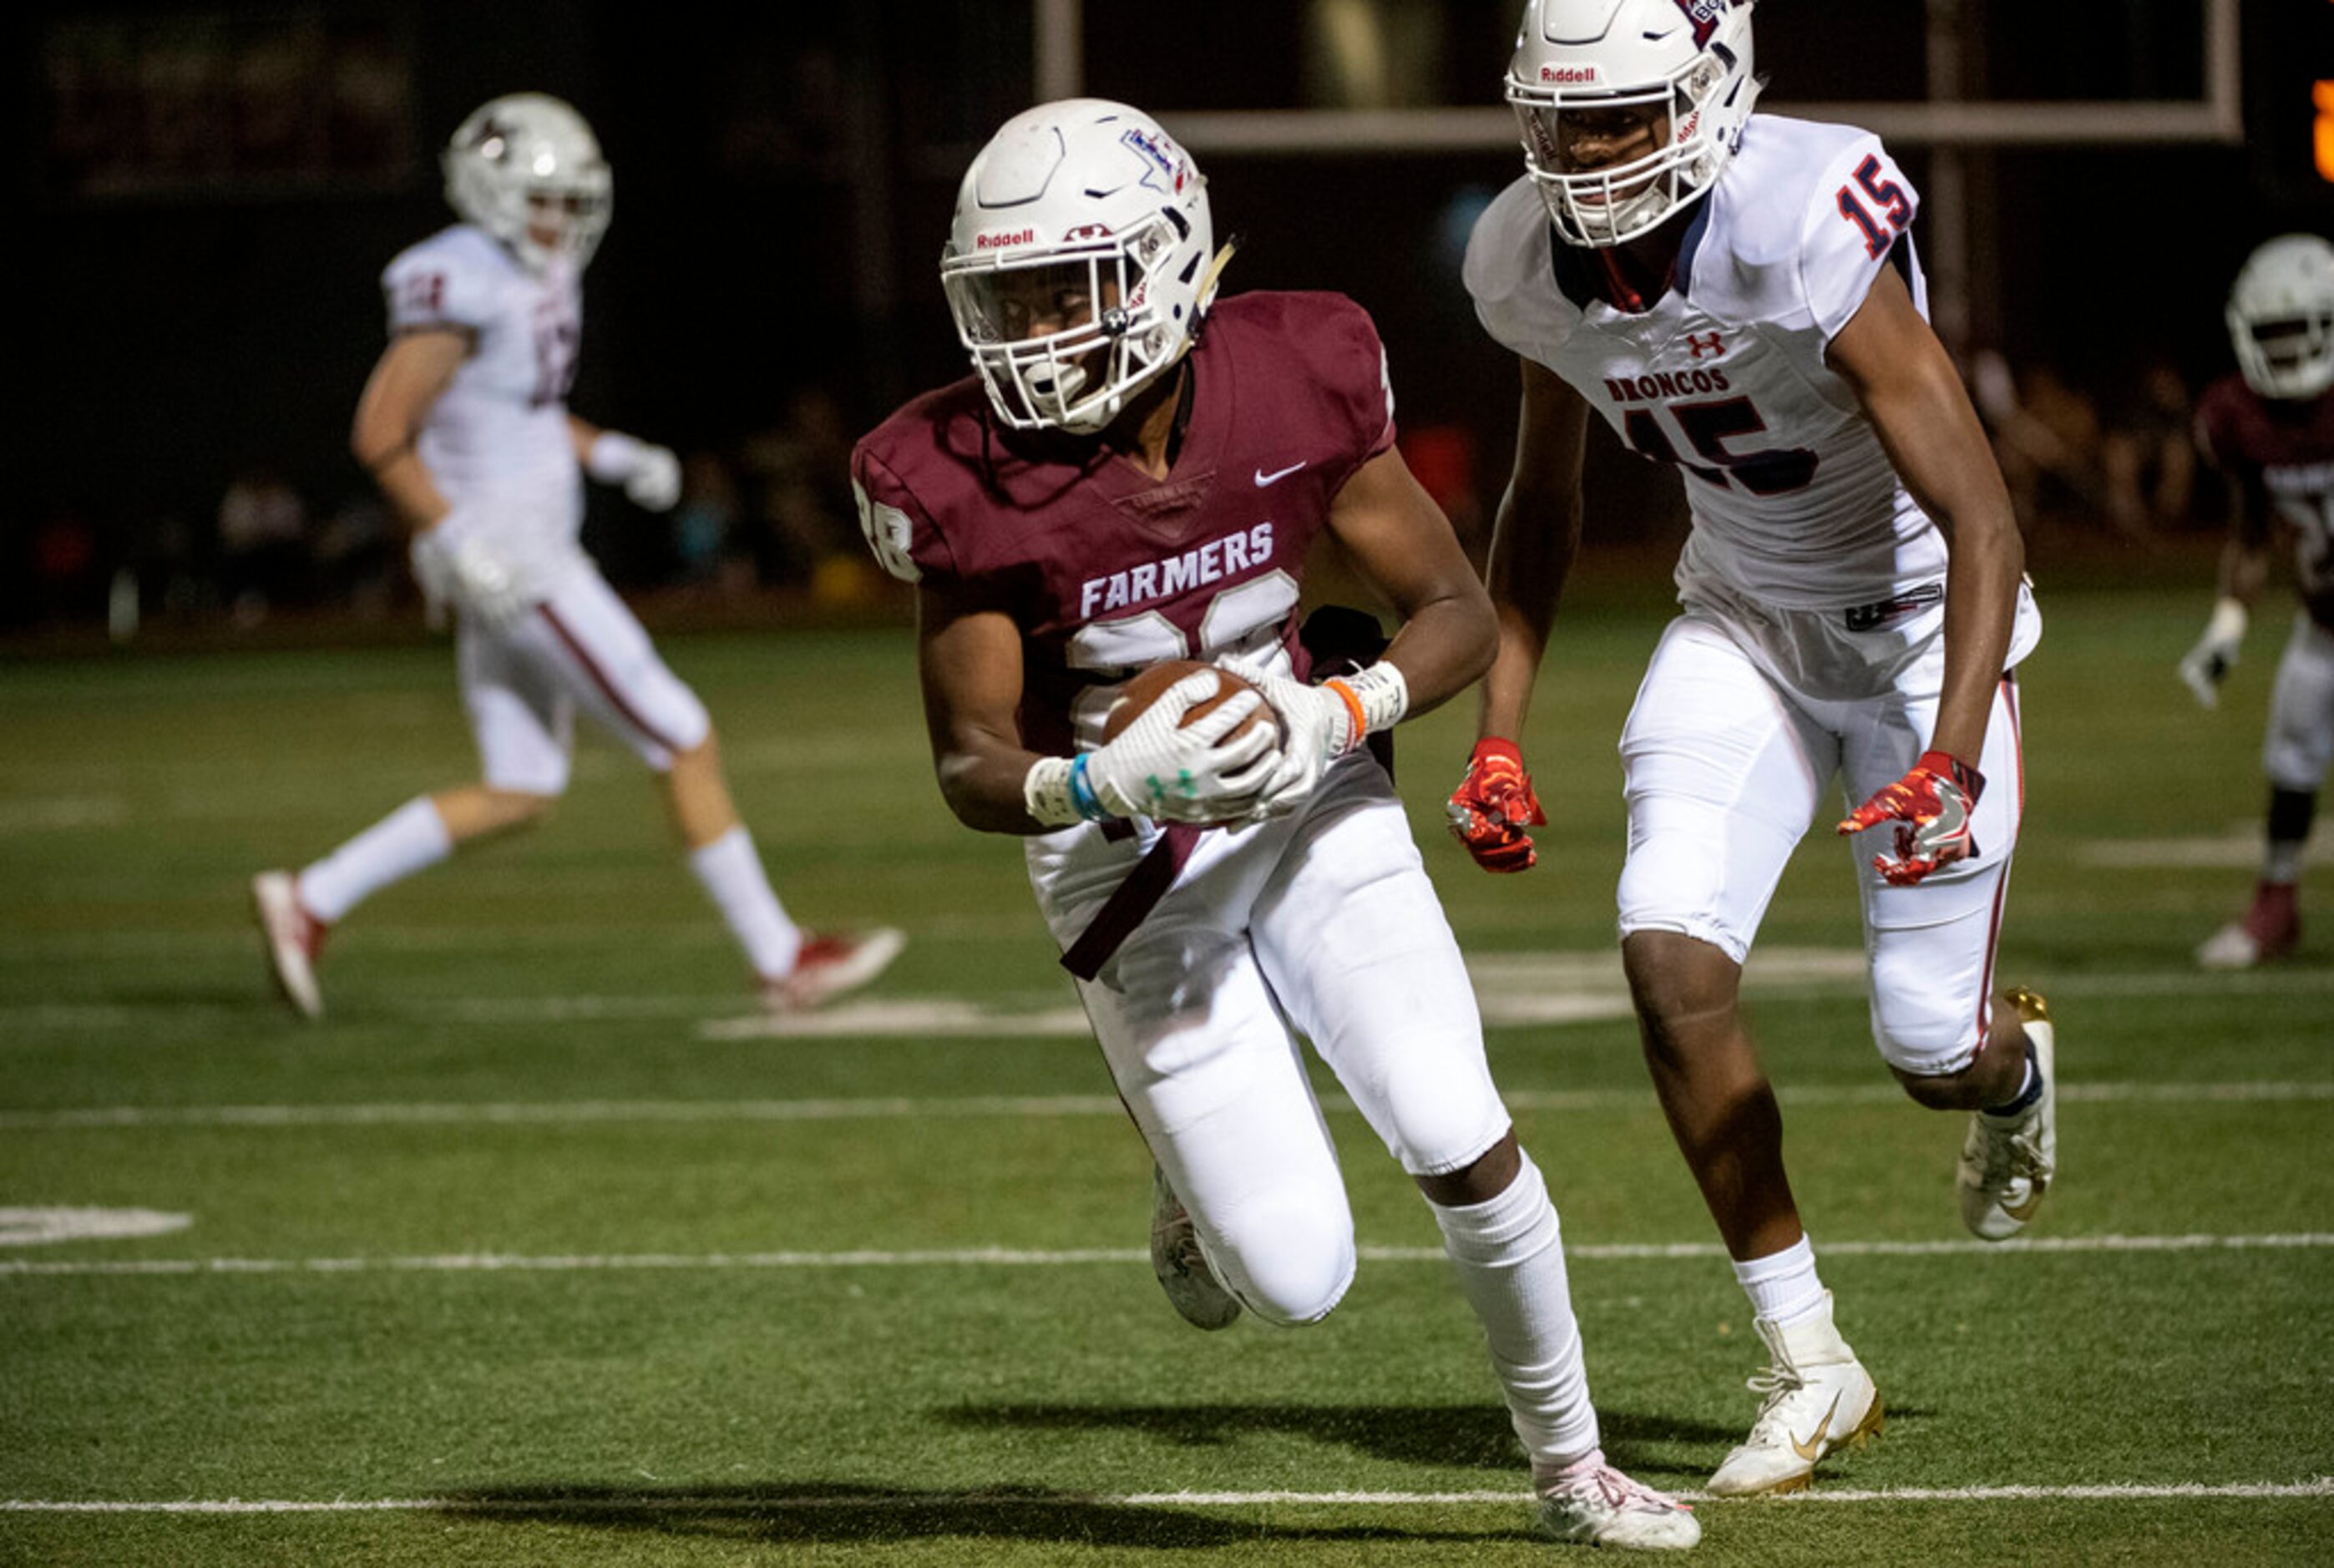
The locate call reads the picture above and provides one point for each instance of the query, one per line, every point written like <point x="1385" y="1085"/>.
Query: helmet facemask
<point x="1077" y="266"/>
<point x="1614" y="202"/>
<point x="1061" y="339"/>
<point x="1680" y="69"/>
<point x="2282" y="317"/>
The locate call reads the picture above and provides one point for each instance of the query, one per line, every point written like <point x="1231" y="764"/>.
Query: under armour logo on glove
<point x="1494" y="805"/>
<point x="1932" y="806"/>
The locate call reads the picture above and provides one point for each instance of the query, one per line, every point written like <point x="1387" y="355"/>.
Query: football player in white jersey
<point x="2270" y="430"/>
<point x="465" y="425"/>
<point x="1737" y="295"/>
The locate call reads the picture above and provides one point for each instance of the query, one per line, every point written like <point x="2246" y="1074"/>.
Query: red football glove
<point x="1494" y="805"/>
<point x="1930" y="806"/>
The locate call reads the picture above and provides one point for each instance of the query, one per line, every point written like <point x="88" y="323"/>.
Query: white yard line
<point x="780" y="1502"/>
<point x="1017" y="1258"/>
<point x="886" y="1108"/>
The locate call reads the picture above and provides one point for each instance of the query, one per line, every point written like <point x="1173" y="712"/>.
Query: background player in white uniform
<point x="465" y="424"/>
<point x="2270" y="430"/>
<point x="1737" y="295"/>
<point x="1122" y="485"/>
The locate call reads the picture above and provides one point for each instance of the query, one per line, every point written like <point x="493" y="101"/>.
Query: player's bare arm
<point x="968" y="660"/>
<point x="1916" y="403"/>
<point x="1402" y="543"/>
<point x="1535" y="537"/>
<point x="412" y="374"/>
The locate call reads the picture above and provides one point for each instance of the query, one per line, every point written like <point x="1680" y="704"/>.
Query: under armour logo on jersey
<point x="1704" y="15"/>
<point x="1705" y="344"/>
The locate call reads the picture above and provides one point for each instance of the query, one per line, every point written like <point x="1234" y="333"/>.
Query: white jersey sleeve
<point x="1855" y="223"/>
<point x="440" y="284"/>
<point x="1808" y="218"/>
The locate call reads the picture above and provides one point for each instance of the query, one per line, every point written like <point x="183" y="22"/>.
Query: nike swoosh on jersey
<point x="1263" y="478"/>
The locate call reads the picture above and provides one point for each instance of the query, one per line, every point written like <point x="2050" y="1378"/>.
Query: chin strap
<point x="1216" y="270"/>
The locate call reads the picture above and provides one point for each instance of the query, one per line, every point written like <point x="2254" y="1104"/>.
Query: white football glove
<point x="1320" y="729"/>
<point x="1161" y="768"/>
<point x="2215" y="654"/>
<point x="649" y="473"/>
<point x="456" y="567"/>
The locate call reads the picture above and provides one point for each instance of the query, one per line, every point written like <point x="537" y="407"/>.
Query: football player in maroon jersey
<point x="1135" y="475"/>
<point x="2270" y="428"/>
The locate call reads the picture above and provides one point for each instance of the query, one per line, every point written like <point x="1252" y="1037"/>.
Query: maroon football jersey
<point x="2285" y="450"/>
<point x="1106" y="570"/>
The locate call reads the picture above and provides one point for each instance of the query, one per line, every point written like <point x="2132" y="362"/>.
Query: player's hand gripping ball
<point x="1203" y="769"/>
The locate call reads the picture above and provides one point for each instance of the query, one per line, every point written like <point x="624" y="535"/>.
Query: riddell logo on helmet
<point x="999" y="241"/>
<point x="1571" y="75"/>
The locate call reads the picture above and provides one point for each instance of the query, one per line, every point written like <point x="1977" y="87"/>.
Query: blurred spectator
<point x="262" y="530"/>
<point x="1442" y="458"/>
<point x="2148" y="454"/>
<point x="66" y="575"/>
<point x="2046" y="437"/>
<point x="706" y="518"/>
<point x="799" y="471"/>
<point x="359" y="560"/>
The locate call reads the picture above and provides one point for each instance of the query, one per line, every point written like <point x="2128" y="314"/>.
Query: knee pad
<point x="1922" y="1027"/>
<point x="1289" y="1263"/>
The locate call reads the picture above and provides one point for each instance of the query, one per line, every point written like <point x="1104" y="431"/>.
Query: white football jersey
<point x="1794" y="501"/>
<point x="497" y="439"/>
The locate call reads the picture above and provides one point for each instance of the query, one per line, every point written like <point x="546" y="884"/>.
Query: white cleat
<point x="1816" y="1398"/>
<point x="1593" y="1504"/>
<point x="2230" y="947"/>
<point x="826" y="967"/>
<point x="294" y="937"/>
<point x="2008" y="1161"/>
<point x="1183" y="1267"/>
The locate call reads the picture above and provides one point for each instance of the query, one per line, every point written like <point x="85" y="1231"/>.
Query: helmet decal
<point x="1704" y="17"/>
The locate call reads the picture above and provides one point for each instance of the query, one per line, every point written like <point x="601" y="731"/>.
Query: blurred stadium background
<point x="537" y="1250"/>
<point x="210" y="194"/>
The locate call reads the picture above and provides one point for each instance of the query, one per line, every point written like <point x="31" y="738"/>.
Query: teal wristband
<point x="1081" y="792"/>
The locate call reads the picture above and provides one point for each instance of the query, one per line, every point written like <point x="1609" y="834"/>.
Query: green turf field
<point x="537" y="1251"/>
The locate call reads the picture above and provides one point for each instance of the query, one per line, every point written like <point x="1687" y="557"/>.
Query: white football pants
<point x="580" y="648"/>
<point x="2299" y="744"/>
<point x="1725" y="765"/>
<point x="1323" y="923"/>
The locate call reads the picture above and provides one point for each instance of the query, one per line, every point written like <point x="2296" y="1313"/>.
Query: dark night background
<point x="785" y="175"/>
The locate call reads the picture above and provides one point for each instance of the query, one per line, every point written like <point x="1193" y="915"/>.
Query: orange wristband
<point x="1353" y="710"/>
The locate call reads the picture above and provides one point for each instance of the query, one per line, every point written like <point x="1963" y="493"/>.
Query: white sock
<point x="411" y="839"/>
<point x="734" y="879"/>
<point x="1508" y="1255"/>
<point x="1782" y="1286"/>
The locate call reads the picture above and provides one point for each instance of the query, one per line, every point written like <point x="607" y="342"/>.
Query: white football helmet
<point x="1580" y="65"/>
<point x="526" y="162"/>
<point x="1078" y="266"/>
<point x="2282" y="317"/>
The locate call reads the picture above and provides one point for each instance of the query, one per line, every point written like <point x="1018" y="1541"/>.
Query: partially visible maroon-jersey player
<point x="2270" y="430"/>
<point x="1135" y="475"/>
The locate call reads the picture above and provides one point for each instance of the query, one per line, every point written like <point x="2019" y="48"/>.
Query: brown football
<point x="1145" y="687"/>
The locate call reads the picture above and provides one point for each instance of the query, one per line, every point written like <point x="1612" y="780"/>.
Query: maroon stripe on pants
<point x="1136" y="897"/>
<point x="575" y="646"/>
